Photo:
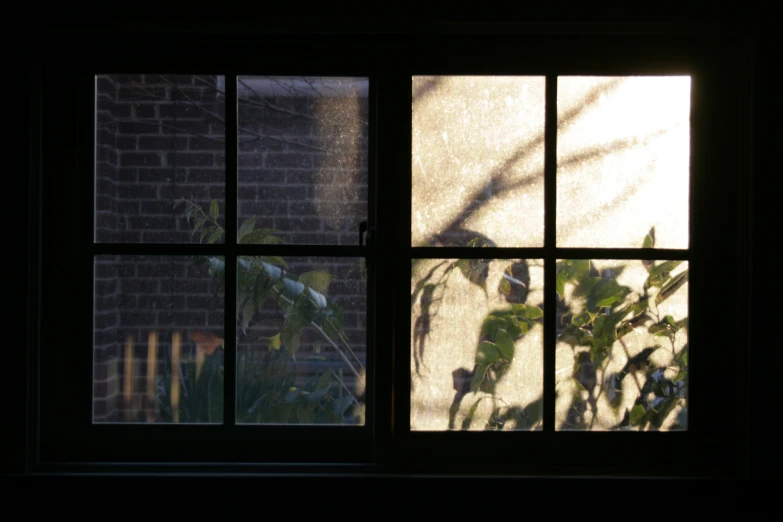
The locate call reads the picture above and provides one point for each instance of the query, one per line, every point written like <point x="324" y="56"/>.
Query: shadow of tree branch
<point x="497" y="183"/>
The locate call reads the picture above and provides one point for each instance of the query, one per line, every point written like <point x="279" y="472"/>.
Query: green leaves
<point x="660" y="273"/>
<point x="534" y="411"/>
<point x="275" y="342"/>
<point x="248" y="311"/>
<point x="341" y="404"/>
<point x="494" y="357"/>
<point x="290" y="338"/>
<point x="638" y="308"/>
<point x="533" y="312"/>
<point x="248" y="235"/>
<point x="504" y="344"/>
<point x="637" y="414"/>
<point x="292" y="331"/>
<point x="318" y="281"/>
<point x="214" y="236"/>
<point x="682" y="357"/>
<point x="487" y="353"/>
<point x="560" y="282"/>
<point x="671" y="286"/>
<point x="585" y="285"/>
<point x="324" y="381"/>
<point x="515" y="321"/>
<point x="258" y="237"/>
<point x="466" y="422"/>
<point x="198" y="224"/>
<point x="493" y="323"/>
<point x="574" y="270"/>
<point x="606" y="292"/>
<point x="576" y="336"/>
<point x="274" y="260"/>
<point x="475" y="271"/>
<point x="604" y="332"/>
<point x="246" y="227"/>
<point x="211" y="231"/>
<point x="264" y="391"/>
<point x="333" y="322"/>
<point x="478" y="377"/>
<point x="492" y="361"/>
<point x="261" y="290"/>
<point x="581" y="319"/>
<point x="667" y="327"/>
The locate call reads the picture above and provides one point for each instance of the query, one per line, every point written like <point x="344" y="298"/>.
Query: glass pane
<point x="159" y="140"/>
<point x="477" y="344"/>
<point x="623" y="155"/>
<point x="478" y="160"/>
<point x="302" y="334"/>
<point x="158" y="335"/>
<point x="302" y="164"/>
<point x="622" y="345"/>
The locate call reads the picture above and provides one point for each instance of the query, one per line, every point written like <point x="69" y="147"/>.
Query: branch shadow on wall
<point x="455" y="234"/>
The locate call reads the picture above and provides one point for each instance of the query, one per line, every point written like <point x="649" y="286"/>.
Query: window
<point x="410" y="170"/>
<point x="479" y="180"/>
<point x="301" y="161"/>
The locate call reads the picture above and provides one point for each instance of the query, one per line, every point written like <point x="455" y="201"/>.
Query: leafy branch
<point x="212" y="229"/>
<point x="303" y="299"/>
<point x="608" y="317"/>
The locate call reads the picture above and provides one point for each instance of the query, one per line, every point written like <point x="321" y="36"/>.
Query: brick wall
<point x="158" y="138"/>
<point x="301" y="170"/>
<point x="135" y="297"/>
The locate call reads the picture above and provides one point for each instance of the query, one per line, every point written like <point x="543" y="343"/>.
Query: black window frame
<point x="389" y="57"/>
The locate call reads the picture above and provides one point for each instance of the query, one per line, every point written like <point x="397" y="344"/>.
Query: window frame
<point x="550" y="451"/>
<point x="105" y="443"/>
<point x="387" y="446"/>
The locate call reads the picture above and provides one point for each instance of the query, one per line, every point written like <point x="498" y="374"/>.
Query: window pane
<point x="302" y="164"/>
<point x="623" y="153"/>
<point x="477" y="344"/>
<point x="302" y="333"/>
<point x="158" y="340"/>
<point x="159" y="139"/>
<point x="478" y="160"/>
<point x="622" y="345"/>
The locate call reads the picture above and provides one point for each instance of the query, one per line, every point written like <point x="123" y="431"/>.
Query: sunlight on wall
<point x="339" y="131"/>
<point x="478" y="158"/>
<point x="623" y="152"/>
<point x="446" y="339"/>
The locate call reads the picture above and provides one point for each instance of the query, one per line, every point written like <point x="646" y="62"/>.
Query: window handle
<point x="366" y="244"/>
<point x="362" y="230"/>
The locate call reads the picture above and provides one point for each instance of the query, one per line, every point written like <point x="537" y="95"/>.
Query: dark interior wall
<point x="761" y="457"/>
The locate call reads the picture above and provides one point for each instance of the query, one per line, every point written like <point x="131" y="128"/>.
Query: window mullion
<point x="229" y="407"/>
<point x="550" y="233"/>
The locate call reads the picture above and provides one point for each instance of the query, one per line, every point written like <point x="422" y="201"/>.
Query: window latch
<point x="362" y="230"/>
<point x="365" y="240"/>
